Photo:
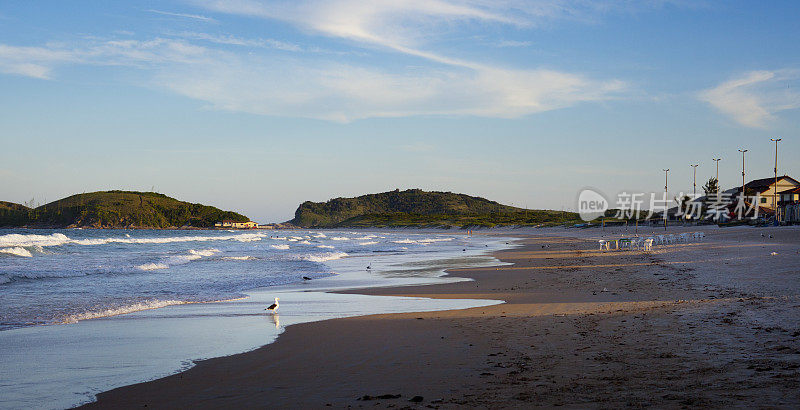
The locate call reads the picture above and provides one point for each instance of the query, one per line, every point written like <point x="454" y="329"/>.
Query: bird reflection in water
<point x="276" y="319"/>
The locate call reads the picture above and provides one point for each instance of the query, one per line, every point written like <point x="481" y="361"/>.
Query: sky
<point x="256" y="106"/>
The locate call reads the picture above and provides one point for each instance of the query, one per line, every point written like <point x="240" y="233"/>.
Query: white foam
<point x="366" y="238"/>
<point x="282" y="247"/>
<point x="58" y="239"/>
<point x="193" y="255"/>
<point x="152" y="266"/>
<point x="340" y="238"/>
<point x="367" y="243"/>
<point x="18" y="251"/>
<point x="15" y="239"/>
<point x="238" y="258"/>
<point x="322" y="257"/>
<point x="204" y="252"/>
<point x="325" y="246"/>
<point x="425" y="241"/>
<point x="305" y="242"/>
<point x="436" y="240"/>
<point x="136" y="307"/>
<point x="320" y="235"/>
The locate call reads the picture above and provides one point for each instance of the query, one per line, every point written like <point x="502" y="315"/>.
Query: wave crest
<point x="18" y="251"/>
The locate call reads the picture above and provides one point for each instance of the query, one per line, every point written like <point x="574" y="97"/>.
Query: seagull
<point x="369" y="267"/>
<point x="306" y="278"/>
<point x="273" y="307"/>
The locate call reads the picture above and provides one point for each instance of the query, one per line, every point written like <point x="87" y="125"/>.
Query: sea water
<point x="83" y="311"/>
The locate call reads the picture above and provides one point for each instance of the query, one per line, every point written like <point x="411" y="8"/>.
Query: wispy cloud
<point x="245" y="42"/>
<point x="39" y="62"/>
<point x="184" y="15"/>
<point x="324" y="86"/>
<point x="36" y="62"/>
<point x="452" y="86"/>
<point x="754" y="98"/>
<point x="513" y="43"/>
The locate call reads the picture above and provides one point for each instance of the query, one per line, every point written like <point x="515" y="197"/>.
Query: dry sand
<point x="712" y="323"/>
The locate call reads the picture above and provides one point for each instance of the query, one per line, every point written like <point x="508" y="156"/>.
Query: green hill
<point x="12" y="214"/>
<point x="419" y="208"/>
<point x="123" y="209"/>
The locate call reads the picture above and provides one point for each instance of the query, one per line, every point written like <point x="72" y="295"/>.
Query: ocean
<point x="83" y="311"/>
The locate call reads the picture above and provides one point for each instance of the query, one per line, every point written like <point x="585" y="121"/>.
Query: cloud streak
<point x="184" y="15"/>
<point x="269" y="81"/>
<point x="754" y="98"/>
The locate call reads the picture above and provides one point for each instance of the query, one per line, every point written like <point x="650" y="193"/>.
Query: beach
<point x="712" y="322"/>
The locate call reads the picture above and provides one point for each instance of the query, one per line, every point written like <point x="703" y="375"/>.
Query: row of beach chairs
<point x="646" y="243"/>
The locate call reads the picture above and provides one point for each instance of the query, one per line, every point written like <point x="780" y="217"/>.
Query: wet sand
<point x="708" y="323"/>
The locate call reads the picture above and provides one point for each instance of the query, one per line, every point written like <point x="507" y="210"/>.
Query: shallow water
<point x="63" y="365"/>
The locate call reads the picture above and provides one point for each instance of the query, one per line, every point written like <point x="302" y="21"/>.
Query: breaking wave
<point x="18" y="251"/>
<point x="239" y="258"/>
<point x="322" y="257"/>
<point x="58" y="239"/>
<point x="281" y="247"/>
<point x="152" y="266"/>
<point x="136" y="307"/>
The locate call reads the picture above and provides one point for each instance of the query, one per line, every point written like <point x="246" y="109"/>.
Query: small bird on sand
<point x="273" y="307"/>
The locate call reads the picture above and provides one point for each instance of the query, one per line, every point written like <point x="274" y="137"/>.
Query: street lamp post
<point x="717" y="160"/>
<point x="775" y="191"/>
<point x="694" y="178"/>
<point x="741" y="196"/>
<point x="666" y="203"/>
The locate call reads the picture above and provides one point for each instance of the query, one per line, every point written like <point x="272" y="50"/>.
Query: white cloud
<point x="39" y="62"/>
<point x="245" y="42"/>
<point x="320" y="85"/>
<point x="344" y="92"/>
<point x="33" y="62"/>
<point x="513" y="43"/>
<point x="184" y="15"/>
<point x="754" y="98"/>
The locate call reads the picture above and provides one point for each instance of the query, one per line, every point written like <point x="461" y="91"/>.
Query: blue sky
<point x="257" y="106"/>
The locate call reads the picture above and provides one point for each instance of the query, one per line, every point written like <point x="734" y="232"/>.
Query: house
<point x="767" y="189"/>
<point x="789" y="205"/>
<point x="236" y="225"/>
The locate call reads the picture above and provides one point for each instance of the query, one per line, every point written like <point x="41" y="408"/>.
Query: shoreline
<point x="37" y="369"/>
<point x="592" y="335"/>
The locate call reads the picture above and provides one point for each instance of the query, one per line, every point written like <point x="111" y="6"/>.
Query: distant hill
<point x="119" y="209"/>
<point x="12" y="214"/>
<point x="419" y="208"/>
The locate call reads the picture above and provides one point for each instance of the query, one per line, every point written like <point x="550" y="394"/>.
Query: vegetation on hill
<point x="12" y="214"/>
<point x="417" y="208"/>
<point x="119" y="209"/>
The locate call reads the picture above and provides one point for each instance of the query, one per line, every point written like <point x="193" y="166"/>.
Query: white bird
<point x="273" y="307"/>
